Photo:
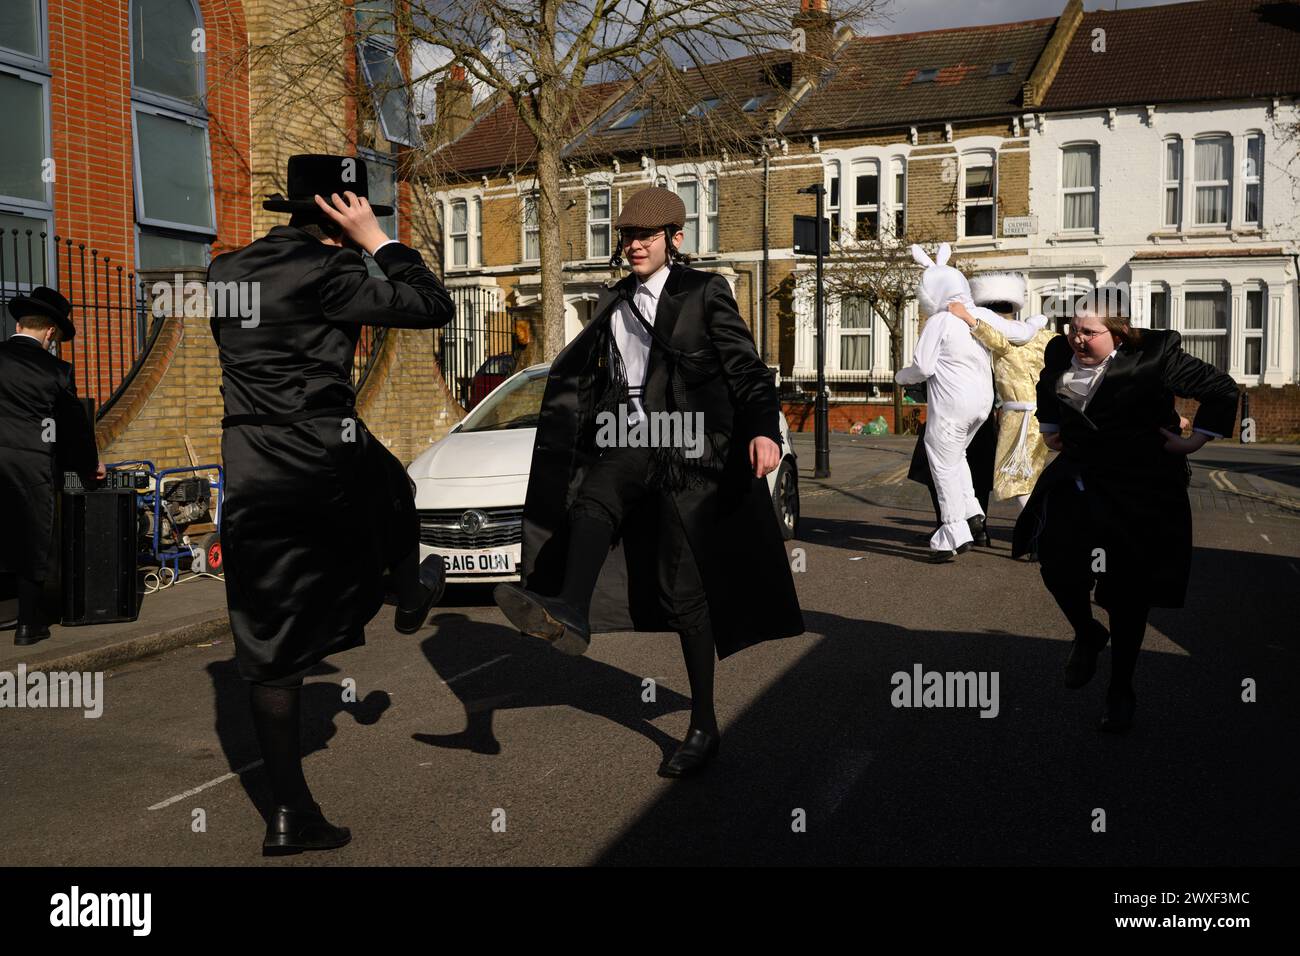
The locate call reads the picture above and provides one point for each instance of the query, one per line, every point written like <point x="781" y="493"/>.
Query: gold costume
<point x="1021" y="454"/>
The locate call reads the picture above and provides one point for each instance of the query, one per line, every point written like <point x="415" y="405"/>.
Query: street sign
<point x="1019" y="225"/>
<point x="805" y="235"/>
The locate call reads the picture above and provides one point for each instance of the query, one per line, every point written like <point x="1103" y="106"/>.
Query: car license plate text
<point x="478" y="562"/>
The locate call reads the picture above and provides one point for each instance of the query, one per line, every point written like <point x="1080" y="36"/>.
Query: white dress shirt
<point x="632" y="339"/>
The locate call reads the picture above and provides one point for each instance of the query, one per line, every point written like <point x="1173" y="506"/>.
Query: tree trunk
<point x="896" y="363"/>
<point x="551" y="248"/>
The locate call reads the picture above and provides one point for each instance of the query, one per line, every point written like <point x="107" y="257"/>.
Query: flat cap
<point x="652" y="208"/>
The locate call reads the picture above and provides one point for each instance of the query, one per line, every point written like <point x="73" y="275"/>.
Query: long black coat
<point x="1135" y="491"/>
<point x="733" y="533"/>
<point x="315" y="510"/>
<point x="35" y="389"/>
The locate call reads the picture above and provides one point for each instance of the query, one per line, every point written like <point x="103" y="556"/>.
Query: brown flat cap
<point x="652" y="208"/>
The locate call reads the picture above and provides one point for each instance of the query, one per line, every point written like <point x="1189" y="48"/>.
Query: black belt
<point x="289" y="418"/>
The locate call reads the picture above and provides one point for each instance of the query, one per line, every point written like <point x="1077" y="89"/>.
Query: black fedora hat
<point x="46" y="302"/>
<point x="312" y="174"/>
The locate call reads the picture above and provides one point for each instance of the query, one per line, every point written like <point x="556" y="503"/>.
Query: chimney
<point x="812" y="40"/>
<point x="453" y="106"/>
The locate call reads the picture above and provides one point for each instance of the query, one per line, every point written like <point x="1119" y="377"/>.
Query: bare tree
<point x="540" y="54"/>
<point x="881" y="271"/>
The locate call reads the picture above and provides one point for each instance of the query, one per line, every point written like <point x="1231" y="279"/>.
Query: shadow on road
<point x="527" y="672"/>
<point x="1203" y="779"/>
<point x="321" y="704"/>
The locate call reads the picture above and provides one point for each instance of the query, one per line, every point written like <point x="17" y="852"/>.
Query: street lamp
<point x="821" y="413"/>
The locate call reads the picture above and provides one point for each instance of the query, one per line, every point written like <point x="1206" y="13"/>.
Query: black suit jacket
<point x="37" y="391"/>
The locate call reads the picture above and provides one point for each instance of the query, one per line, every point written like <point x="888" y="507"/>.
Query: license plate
<point x="479" y="562"/>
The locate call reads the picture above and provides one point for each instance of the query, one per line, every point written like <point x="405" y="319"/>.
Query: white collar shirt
<point x="632" y="339"/>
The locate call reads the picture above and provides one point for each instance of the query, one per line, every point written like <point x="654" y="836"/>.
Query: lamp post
<point x="821" y="413"/>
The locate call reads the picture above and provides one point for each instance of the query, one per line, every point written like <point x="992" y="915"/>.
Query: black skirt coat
<point x="316" y="509"/>
<point x="732" y="532"/>
<point x="36" y="391"/>
<point x="1135" y="492"/>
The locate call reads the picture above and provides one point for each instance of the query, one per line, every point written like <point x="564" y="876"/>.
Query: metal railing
<point x="476" y="350"/>
<point x="108" y="303"/>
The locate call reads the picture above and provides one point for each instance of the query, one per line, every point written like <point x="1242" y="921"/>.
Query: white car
<point x="470" y="487"/>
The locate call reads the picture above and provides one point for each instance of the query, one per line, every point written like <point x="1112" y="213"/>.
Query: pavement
<point x="469" y="744"/>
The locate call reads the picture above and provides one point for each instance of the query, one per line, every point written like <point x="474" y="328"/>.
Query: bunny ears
<point x="940" y="259"/>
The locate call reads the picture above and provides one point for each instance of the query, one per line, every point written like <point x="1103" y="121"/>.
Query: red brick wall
<point x="1276" y="411"/>
<point x="841" y="417"/>
<point x="90" y="121"/>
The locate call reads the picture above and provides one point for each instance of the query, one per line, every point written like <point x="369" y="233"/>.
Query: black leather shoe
<point x="433" y="576"/>
<point x="1082" y="662"/>
<point x="293" y="831"/>
<point x="943" y="557"/>
<point x="549" y="618"/>
<point x="980" y="532"/>
<point x="696" y="751"/>
<point x="26" y="634"/>
<point x="1119" y="712"/>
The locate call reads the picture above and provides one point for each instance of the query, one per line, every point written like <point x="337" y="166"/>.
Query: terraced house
<point x="995" y="138"/>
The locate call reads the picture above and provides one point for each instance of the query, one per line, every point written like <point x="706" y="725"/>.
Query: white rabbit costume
<point x="958" y="373"/>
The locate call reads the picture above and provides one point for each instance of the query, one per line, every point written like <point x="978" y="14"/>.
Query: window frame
<point x="478" y="230"/>
<point x="138" y="95"/>
<point x="42" y="59"/>
<point x="607" y="222"/>
<point x="975" y="159"/>
<point x="1253" y="334"/>
<point x="1175" y="185"/>
<point x="1225" y="184"/>
<point x="44" y="207"/>
<point x="530" y="199"/>
<point x="210" y="233"/>
<point x="866" y="162"/>
<point x="1224" y="333"/>
<point x="898" y="195"/>
<point x="841" y="333"/>
<point x="1094" y="152"/>
<point x="834" y="185"/>
<point x="452" y="235"/>
<point x="1256" y="180"/>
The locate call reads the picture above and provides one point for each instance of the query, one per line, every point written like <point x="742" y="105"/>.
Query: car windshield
<point x="515" y="404"/>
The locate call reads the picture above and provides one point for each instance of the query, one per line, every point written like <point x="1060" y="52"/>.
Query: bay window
<point x="1205" y="327"/>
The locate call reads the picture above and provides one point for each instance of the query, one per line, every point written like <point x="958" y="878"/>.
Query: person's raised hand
<point x="354" y="214"/>
<point x="764" y="456"/>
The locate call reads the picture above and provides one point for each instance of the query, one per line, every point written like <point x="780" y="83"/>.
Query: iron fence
<point x="108" y="301"/>
<point x="476" y="350"/>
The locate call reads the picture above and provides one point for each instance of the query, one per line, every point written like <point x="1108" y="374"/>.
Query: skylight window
<point x="703" y="106"/>
<point x="926" y="76"/>
<point x="754" y="102"/>
<point x="629" y="119"/>
<point x="1000" y="69"/>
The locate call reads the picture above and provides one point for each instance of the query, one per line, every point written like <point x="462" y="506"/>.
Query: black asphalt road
<point x="467" y="723"/>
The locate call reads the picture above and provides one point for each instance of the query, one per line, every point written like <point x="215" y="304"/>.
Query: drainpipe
<point x="762" y="335"/>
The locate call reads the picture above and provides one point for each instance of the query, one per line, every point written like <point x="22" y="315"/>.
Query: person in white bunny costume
<point x="958" y="373"/>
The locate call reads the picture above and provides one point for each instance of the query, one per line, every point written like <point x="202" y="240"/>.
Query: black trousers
<point x="615" y="484"/>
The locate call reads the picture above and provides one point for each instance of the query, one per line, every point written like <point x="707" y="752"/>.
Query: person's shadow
<point x="490" y="667"/>
<point x="321" y="704"/>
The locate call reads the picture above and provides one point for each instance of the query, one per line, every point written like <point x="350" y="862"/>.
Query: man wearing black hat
<point x="316" y="508"/>
<point x="44" y="432"/>
<point x="701" y="552"/>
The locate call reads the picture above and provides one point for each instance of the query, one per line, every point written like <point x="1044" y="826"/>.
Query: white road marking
<point x="204" y="786"/>
<point x="1266" y="538"/>
<point x="475" y="670"/>
<point x="1250" y="519"/>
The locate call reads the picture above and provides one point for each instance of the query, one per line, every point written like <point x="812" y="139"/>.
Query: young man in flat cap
<point x="700" y="551"/>
<point x="316" y="508"/>
<point x="44" y="432"/>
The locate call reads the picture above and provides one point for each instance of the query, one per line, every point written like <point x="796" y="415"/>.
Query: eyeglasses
<point x="643" y="236"/>
<point x="1086" y="334"/>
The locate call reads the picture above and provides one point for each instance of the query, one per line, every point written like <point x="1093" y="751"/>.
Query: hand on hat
<point x="354" y="214"/>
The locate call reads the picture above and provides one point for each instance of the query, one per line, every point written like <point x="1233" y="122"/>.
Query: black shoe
<point x="943" y="557"/>
<point x="433" y="577"/>
<point x="549" y="618"/>
<point x="1082" y="662"/>
<point x="27" y="634"/>
<point x="979" y="531"/>
<point x="696" y="751"/>
<point x="293" y="831"/>
<point x="1119" y="712"/>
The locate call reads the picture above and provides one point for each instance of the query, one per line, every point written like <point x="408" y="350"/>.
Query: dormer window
<point x="754" y="102"/>
<point x="703" y="106"/>
<point x="629" y="119"/>
<point x="1000" y="69"/>
<point x="926" y="76"/>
